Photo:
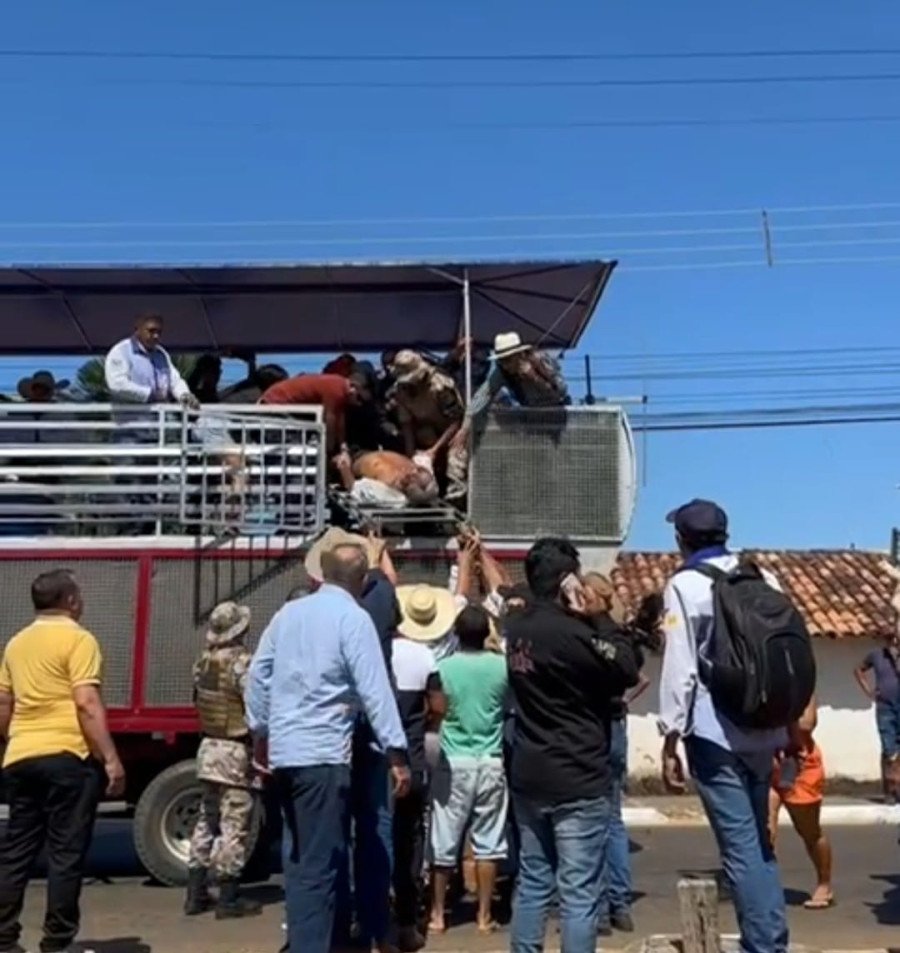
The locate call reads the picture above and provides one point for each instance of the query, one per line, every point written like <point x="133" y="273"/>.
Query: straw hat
<point x="506" y="345"/>
<point x="227" y="622"/>
<point x="428" y="612"/>
<point x="329" y="540"/>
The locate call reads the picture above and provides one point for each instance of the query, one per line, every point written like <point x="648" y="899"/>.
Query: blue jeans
<point x="561" y="852"/>
<point x="373" y="846"/>
<point x="735" y="794"/>
<point x="887" y="718"/>
<point x="615" y="880"/>
<point x="315" y="803"/>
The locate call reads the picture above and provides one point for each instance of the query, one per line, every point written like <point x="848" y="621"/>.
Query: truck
<point x="157" y="539"/>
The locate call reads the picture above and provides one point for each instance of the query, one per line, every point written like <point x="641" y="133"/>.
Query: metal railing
<point x="101" y="469"/>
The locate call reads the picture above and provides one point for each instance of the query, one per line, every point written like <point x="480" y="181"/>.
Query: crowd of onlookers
<point x="408" y="729"/>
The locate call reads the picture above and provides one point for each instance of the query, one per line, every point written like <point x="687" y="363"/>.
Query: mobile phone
<point x="573" y="591"/>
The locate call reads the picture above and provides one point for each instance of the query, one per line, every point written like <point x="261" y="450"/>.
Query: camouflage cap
<point x="227" y="622"/>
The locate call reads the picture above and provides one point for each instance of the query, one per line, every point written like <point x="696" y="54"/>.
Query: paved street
<point x="124" y="914"/>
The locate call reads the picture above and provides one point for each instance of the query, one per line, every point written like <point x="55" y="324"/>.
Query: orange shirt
<point x="330" y="391"/>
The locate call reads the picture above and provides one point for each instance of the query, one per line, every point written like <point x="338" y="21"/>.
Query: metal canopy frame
<point x="298" y="308"/>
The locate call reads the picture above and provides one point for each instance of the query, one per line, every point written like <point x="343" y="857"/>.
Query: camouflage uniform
<point x="224" y="769"/>
<point x="430" y="404"/>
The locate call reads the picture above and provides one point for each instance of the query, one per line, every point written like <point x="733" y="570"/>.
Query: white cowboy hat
<point x="333" y="537"/>
<point x="428" y="612"/>
<point x="506" y="345"/>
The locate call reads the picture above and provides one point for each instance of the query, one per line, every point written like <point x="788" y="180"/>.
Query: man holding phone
<point x="564" y="677"/>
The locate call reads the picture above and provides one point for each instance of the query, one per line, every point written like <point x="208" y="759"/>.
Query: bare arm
<point x="466" y="562"/>
<point x="443" y="440"/>
<point x="92" y="717"/>
<point x="408" y="433"/>
<point x="334" y="428"/>
<point x="862" y="680"/>
<point x="91" y="714"/>
<point x="386" y="565"/>
<point x="810" y="718"/>
<point x="7" y="703"/>
<point x="495" y="576"/>
<point x="435" y="709"/>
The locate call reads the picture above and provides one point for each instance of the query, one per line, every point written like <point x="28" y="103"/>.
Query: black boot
<point x="232" y="905"/>
<point x="198" y="899"/>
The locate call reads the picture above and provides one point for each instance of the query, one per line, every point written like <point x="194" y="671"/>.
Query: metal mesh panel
<point x="109" y="597"/>
<point x="539" y="471"/>
<point x="184" y="591"/>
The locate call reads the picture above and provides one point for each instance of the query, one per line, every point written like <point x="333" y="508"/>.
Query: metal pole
<point x="589" y="395"/>
<point x="467" y="334"/>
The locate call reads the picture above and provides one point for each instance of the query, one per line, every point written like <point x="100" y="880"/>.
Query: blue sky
<point x="137" y="141"/>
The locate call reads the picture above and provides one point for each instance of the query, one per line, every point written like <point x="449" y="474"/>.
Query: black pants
<point x="53" y="803"/>
<point x="409" y="851"/>
<point x="315" y="803"/>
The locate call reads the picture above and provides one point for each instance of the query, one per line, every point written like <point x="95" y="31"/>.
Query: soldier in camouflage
<point x="224" y="767"/>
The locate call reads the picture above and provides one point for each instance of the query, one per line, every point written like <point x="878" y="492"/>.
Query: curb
<point x="846" y="815"/>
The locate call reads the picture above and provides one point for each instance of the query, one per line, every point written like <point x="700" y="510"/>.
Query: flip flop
<point x="819" y="904"/>
<point x="488" y="928"/>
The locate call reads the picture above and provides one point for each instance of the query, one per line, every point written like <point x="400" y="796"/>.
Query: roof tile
<point x="842" y="594"/>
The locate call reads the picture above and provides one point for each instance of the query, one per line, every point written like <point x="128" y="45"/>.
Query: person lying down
<point x="387" y="479"/>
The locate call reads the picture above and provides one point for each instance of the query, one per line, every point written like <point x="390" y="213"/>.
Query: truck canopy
<point x="297" y="308"/>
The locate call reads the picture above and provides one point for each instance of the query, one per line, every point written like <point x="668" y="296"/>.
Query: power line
<point x="604" y="83"/>
<point x="641" y="427"/>
<point x="471" y="219"/>
<point x="530" y="57"/>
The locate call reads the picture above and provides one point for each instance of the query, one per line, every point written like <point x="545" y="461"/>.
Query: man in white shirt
<point x="140" y="371"/>
<point x="731" y="766"/>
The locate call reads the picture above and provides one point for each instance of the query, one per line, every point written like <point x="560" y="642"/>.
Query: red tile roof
<point x="842" y="594"/>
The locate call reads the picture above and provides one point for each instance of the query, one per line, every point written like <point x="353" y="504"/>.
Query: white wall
<point x="846" y="732"/>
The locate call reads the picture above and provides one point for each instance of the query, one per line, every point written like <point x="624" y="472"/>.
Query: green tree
<point x="90" y="381"/>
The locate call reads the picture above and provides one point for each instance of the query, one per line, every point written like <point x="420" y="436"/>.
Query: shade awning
<point x="278" y="308"/>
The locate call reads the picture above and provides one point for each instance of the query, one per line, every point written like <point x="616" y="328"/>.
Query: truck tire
<point x="164" y="820"/>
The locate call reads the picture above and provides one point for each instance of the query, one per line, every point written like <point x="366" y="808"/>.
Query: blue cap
<point x="699" y="517"/>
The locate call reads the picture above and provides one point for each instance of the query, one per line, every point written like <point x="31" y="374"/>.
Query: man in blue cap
<point x="731" y="766"/>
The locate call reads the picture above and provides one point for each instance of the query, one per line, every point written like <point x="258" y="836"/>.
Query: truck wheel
<point x="164" y="821"/>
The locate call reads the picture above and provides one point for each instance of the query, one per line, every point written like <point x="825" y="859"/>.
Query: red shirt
<point x="330" y="391"/>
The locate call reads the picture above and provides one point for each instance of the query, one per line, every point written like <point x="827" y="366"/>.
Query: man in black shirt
<point x="565" y="675"/>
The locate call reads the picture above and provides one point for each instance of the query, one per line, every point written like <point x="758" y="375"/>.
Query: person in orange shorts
<point x="798" y="783"/>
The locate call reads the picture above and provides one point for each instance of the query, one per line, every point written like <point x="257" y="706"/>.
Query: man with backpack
<point x="738" y="669"/>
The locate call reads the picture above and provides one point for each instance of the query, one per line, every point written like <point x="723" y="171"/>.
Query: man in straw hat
<point x="318" y="663"/>
<point x="224" y="767"/>
<point x="530" y="377"/>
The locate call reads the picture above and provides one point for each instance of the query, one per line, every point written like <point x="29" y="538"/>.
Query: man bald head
<point x="346" y="566"/>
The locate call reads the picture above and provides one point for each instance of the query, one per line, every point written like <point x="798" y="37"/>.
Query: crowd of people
<point x="408" y="729"/>
<point x="411" y="729"/>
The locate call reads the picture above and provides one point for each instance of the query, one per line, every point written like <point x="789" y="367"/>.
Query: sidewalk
<point x="686" y="811"/>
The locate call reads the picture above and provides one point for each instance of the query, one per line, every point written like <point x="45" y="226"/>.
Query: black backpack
<point x="760" y="670"/>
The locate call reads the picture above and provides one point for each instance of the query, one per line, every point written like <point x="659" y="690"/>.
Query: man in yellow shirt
<point x="59" y="758"/>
